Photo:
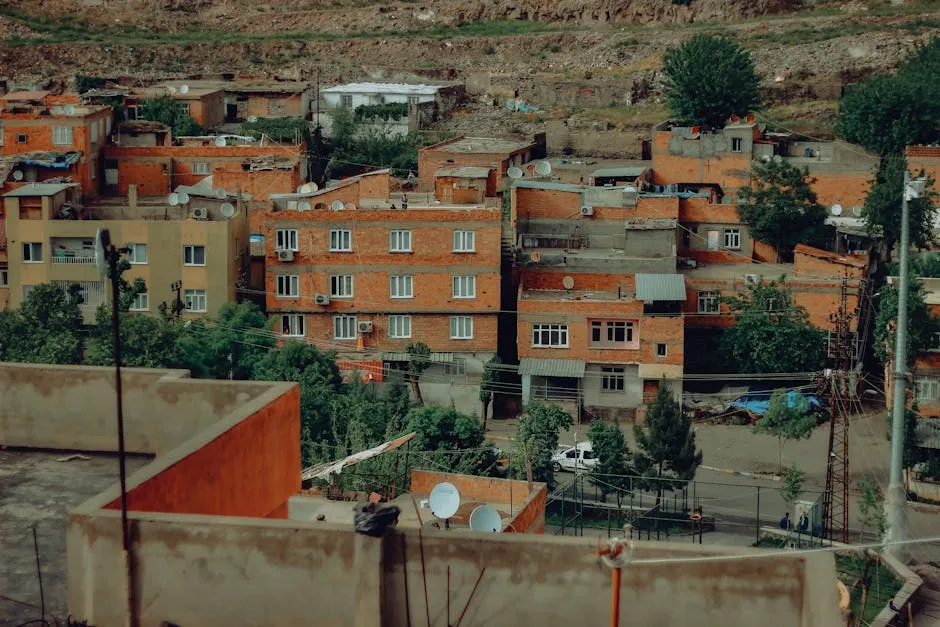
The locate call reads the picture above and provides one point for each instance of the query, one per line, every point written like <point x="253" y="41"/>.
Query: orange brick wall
<point x="208" y="111"/>
<point x="250" y="470"/>
<point x="701" y="210"/>
<point x="926" y="158"/>
<point x="764" y="252"/>
<point x="727" y="169"/>
<point x="431" y="158"/>
<point x="813" y="262"/>
<point x="848" y="189"/>
<point x="548" y="279"/>
<point x="459" y="191"/>
<point x="532" y="203"/>
<point x="258" y="105"/>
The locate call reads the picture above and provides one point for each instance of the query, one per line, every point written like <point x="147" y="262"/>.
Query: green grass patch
<point x="814" y="34"/>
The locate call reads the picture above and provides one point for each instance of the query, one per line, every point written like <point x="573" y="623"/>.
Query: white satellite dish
<point x="514" y="173"/>
<point x="227" y="210"/>
<point x="857" y="212"/>
<point x="444" y="500"/>
<point x="173" y="199"/>
<point x="337" y="205"/>
<point x="351" y="207"/>
<point x="17" y="175"/>
<point x="183" y="197"/>
<point x="220" y="141"/>
<point x="252" y="118"/>
<point x="69" y="110"/>
<point x="102" y="241"/>
<point x="304" y="205"/>
<point x="486" y="519"/>
<point x="836" y="210"/>
<point x="221" y="194"/>
<point x="307" y="188"/>
<point x="778" y="159"/>
<point x="543" y="168"/>
<point x="184" y="89"/>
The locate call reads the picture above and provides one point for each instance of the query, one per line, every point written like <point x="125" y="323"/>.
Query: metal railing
<point x="83" y="260"/>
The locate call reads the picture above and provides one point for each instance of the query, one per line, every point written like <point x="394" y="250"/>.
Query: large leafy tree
<point x="146" y="342"/>
<point x="167" y="111"/>
<point x="450" y="440"/>
<point x="537" y="438"/>
<point x="772" y="334"/>
<point x="787" y="418"/>
<point x="46" y="328"/>
<point x="882" y="211"/>
<point x="613" y="470"/>
<point x="231" y="344"/>
<point x="920" y="325"/>
<point x="710" y="78"/>
<point x="665" y="442"/>
<point x="780" y="207"/>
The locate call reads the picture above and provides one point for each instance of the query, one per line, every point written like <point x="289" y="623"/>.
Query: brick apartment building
<point x="347" y="272"/>
<point x="205" y="104"/>
<point x="446" y="160"/>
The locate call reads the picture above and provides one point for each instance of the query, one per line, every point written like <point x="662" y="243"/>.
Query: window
<point x="456" y="368"/>
<point x="341" y="286"/>
<point x="94" y="133"/>
<point x="194" y="300"/>
<point x="141" y="303"/>
<point x="550" y="335"/>
<point x="137" y="253"/>
<point x="1" y="132"/>
<point x="399" y="241"/>
<point x="611" y="333"/>
<point x="414" y="99"/>
<point x="660" y="350"/>
<point x="62" y="135"/>
<point x="733" y="238"/>
<point x="461" y="328"/>
<point x="340" y="240"/>
<point x="194" y="255"/>
<point x="465" y="287"/>
<point x="401" y="286"/>
<point x="344" y="327"/>
<point x="737" y="144"/>
<point x="345" y="101"/>
<point x="292" y="325"/>
<point x="464" y="241"/>
<point x="32" y="252"/>
<point x="708" y="302"/>
<point x="711" y="240"/>
<point x="927" y="389"/>
<point x="612" y="379"/>
<point x="22" y="138"/>
<point x="286" y="239"/>
<point x="399" y="326"/>
<point x="202" y="167"/>
<point x="4" y="278"/>
<point x="288" y="286"/>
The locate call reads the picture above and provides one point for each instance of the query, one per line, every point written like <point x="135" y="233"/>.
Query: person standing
<point x="785" y="523"/>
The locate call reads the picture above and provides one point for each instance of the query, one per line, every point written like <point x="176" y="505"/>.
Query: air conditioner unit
<point x="587" y="211"/>
<point x="200" y="213"/>
<point x="365" y="326"/>
<point x="751" y="279"/>
<point x="285" y="255"/>
<point x="322" y="299"/>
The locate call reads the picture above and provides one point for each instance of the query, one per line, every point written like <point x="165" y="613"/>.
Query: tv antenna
<point x="486" y="519"/>
<point x="444" y="501"/>
<point x="514" y="173"/>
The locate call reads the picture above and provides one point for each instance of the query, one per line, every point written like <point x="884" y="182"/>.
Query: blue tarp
<point x="758" y="401"/>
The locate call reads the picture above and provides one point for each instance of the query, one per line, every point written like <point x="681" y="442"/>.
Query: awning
<point x="436" y="358"/>
<point x="660" y="287"/>
<point x="323" y="471"/>
<point x="552" y="367"/>
<point x="659" y="371"/>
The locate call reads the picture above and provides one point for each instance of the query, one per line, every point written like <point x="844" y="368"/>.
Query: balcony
<point x="72" y="251"/>
<point x="75" y="259"/>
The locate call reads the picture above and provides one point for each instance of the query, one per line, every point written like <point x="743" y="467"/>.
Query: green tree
<point x="488" y="383"/>
<point x="170" y="112"/>
<point x="231" y="344"/>
<point x="358" y="141"/>
<point x="451" y="440"/>
<point x="613" y="470"/>
<point x="710" y="78"/>
<point x="780" y="207"/>
<point x="146" y="342"/>
<point x="537" y="438"/>
<point x="921" y="327"/>
<point x="787" y="418"/>
<point x="666" y="444"/>
<point x="792" y="486"/>
<point x="419" y="360"/>
<point x="871" y="509"/>
<point x="882" y="210"/>
<point x="772" y="334"/>
<point x="398" y="405"/>
<point x="47" y="327"/>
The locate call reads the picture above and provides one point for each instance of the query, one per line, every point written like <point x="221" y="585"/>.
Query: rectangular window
<point x="612" y="379"/>
<point x="288" y="286"/>
<point x="711" y="240"/>
<point x="341" y="286"/>
<point x="550" y="335"/>
<point x="461" y="328"/>
<point x="399" y="326"/>
<point x="709" y="302"/>
<point x="194" y="255"/>
<point x="286" y="239"/>
<point x="4" y="278"/>
<point x="340" y="240"/>
<point x="399" y="241"/>
<point x="414" y="99"/>
<point x="94" y="133"/>
<point x="465" y="287"/>
<point x="927" y="389"/>
<point x="611" y="333"/>
<point x="194" y="300"/>
<point x="292" y="325"/>
<point x="32" y="252"/>
<point x="22" y="138"/>
<point x="344" y="327"/>
<point x="345" y="101"/>
<point x="660" y="350"/>
<point x="202" y="168"/>
<point x="137" y="253"/>
<point x="464" y="242"/>
<point x="737" y="144"/>
<point x="733" y="239"/>
<point x="141" y="303"/>
<point x="456" y="368"/>
<point x="401" y="286"/>
<point x="62" y="135"/>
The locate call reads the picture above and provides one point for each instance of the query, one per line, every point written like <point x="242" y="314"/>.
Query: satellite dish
<point x="486" y="519"/>
<point x="778" y="159"/>
<point x="221" y="194"/>
<point x="102" y="241"/>
<point x="69" y="110"/>
<point x="184" y="89"/>
<point x="304" y="205"/>
<point x="173" y="199"/>
<point x="337" y="205"/>
<point x="252" y="118"/>
<point x="351" y="207"/>
<point x="183" y="197"/>
<point x="567" y="283"/>
<point x="444" y="500"/>
<point x="543" y="168"/>
<point x="765" y="158"/>
<point x="857" y="212"/>
<point x="17" y="175"/>
<point x="227" y="210"/>
<point x="220" y="141"/>
<point x="836" y="210"/>
<point x="514" y="173"/>
<point x="307" y="188"/>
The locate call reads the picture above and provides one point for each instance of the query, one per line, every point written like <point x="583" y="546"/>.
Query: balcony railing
<point x="85" y="260"/>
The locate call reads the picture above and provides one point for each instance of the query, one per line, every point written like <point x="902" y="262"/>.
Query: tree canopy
<point x="46" y="328"/>
<point x="355" y="142"/>
<point x="665" y="443"/>
<point x="710" y="78"/>
<point x="921" y="327"/>
<point x="537" y="436"/>
<point x="614" y="467"/>
<point x="170" y="112"/>
<point x="882" y="210"/>
<point x="787" y="418"/>
<point x="456" y="440"/>
<point x="781" y="208"/>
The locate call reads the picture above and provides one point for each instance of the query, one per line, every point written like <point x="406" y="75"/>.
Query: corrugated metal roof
<point x="928" y="432"/>
<point x="627" y="173"/>
<point x="660" y="287"/>
<point x="436" y="358"/>
<point x="552" y="367"/>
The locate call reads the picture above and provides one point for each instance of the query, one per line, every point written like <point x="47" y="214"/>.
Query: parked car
<point x="575" y="458"/>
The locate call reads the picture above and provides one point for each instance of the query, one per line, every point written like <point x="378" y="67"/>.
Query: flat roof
<point x="480" y="145"/>
<point x="383" y="88"/>
<point x="39" y="189"/>
<point x="25" y="95"/>
<point x="631" y="173"/>
<point x="466" y="172"/>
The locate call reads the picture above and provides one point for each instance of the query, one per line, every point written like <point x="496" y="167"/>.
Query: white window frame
<point x="708" y="302"/>
<point x="201" y="168"/>
<point x="296" y="324"/>
<point x="5" y="277"/>
<point x="62" y="135"/>
<point x="461" y="327"/>
<point x="288" y="286"/>
<point x="399" y="326"/>
<point x="401" y="286"/>
<point x="341" y="286"/>
<point x="399" y="241"/>
<point x="346" y="101"/>
<point x="191" y="298"/>
<point x="29" y="250"/>
<point x="613" y="379"/>
<point x="345" y="328"/>
<point x="141" y="303"/>
<point x="607" y="331"/>
<point x="134" y="251"/>
<point x="732" y="239"/>
<point x="465" y="242"/>
<point x="927" y="389"/>
<point x="286" y="239"/>
<point x="665" y="352"/>
<point x="550" y="336"/>
<point x="464" y="286"/>
<point x="737" y="144"/>
<point x="189" y="251"/>
<point x="340" y="240"/>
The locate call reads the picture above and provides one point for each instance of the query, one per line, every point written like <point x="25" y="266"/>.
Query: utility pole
<point x="177" y="286"/>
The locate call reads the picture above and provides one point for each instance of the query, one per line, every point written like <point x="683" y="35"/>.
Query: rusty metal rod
<point x="472" y="593"/>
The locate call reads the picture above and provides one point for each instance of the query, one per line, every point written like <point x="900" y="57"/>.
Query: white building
<point x="353" y="95"/>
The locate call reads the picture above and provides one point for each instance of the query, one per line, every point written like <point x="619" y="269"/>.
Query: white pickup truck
<point x="575" y="458"/>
